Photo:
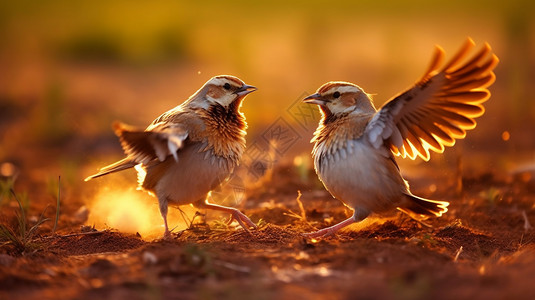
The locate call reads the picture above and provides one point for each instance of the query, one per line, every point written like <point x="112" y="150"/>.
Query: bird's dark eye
<point x="226" y="86"/>
<point x="336" y="95"/>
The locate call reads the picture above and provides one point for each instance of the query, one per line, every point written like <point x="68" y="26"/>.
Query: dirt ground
<point x="483" y="248"/>
<point x="68" y="69"/>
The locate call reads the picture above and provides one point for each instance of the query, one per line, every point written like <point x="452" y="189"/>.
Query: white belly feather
<point x="191" y="177"/>
<point x="360" y="176"/>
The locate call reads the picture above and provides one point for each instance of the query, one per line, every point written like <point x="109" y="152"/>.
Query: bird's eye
<point x="336" y="95"/>
<point x="226" y="86"/>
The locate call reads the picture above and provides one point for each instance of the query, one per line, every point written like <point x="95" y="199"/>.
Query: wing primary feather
<point x="464" y="122"/>
<point x="470" y="84"/>
<point x="439" y="133"/>
<point x="417" y="145"/>
<point x="429" y="139"/>
<point x="468" y="110"/>
<point x="469" y="44"/>
<point x="436" y="60"/>
<point x="455" y="131"/>
<point x="474" y="61"/>
<point x="487" y="67"/>
<point x="474" y="96"/>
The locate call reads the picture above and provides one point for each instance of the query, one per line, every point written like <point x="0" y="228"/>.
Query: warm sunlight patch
<point x="367" y="222"/>
<point x="133" y="211"/>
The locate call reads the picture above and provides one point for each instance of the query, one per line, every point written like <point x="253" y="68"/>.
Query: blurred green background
<point x="69" y="68"/>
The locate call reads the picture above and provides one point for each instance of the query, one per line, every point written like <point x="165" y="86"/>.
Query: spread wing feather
<point x="146" y="146"/>
<point x="439" y="108"/>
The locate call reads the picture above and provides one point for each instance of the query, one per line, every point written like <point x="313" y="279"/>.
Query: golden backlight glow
<point x="368" y="222"/>
<point x="133" y="211"/>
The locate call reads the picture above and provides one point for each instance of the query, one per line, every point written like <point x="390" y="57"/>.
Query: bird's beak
<point x="245" y="89"/>
<point x="315" y="99"/>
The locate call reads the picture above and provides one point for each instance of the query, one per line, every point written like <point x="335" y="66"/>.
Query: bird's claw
<point x="241" y="219"/>
<point x="167" y="236"/>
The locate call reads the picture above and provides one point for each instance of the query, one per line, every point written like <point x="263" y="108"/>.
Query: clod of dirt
<point x="97" y="242"/>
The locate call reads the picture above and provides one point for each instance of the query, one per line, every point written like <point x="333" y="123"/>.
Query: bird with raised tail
<point x="189" y="150"/>
<point x="355" y="144"/>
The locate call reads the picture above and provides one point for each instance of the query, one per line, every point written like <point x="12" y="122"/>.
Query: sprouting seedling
<point x="491" y="196"/>
<point x="22" y="236"/>
<point x="57" y="206"/>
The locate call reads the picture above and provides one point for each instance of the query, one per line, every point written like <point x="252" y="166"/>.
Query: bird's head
<point x="224" y="90"/>
<point x="339" y="97"/>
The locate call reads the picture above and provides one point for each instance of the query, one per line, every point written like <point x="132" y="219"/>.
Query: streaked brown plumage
<point x="354" y="145"/>
<point x="189" y="150"/>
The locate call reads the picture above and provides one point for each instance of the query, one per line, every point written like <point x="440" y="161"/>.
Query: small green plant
<point x="261" y="223"/>
<point x="491" y="196"/>
<point x="21" y="237"/>
<point x="5" y="188"/>
<point x="220" y="225"/>
<point x="427" y="240"/>
<point x="57" y="206"/>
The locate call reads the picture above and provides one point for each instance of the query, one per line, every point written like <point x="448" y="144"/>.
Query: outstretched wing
<point x="161" y="141"/>
<point x="439" y="108"/>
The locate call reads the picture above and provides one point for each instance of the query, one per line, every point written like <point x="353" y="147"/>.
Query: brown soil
<point x="481" y="249"/>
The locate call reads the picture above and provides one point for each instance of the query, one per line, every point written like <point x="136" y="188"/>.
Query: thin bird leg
<point x="330" y="230"/>
<point x="167" y="233"/>
<point x="163" y="212"/>
<point x="236" y="214"/>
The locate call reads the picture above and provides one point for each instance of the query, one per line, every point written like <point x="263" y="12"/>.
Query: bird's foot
<point x="330" y="230"/>
<point x="237" y="215"/>
<point x="320" y="233"/>
<point x="167" y="236"/>
<point x="242" y="219"/>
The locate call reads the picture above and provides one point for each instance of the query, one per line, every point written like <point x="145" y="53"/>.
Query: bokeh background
<point x="68" y="69"/>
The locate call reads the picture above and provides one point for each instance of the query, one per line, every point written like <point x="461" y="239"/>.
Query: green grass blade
<point x="21" y="218"/>
<point x="57" y="206"/>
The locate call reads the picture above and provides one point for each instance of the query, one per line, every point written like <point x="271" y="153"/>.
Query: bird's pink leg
<point x="236" y="214"/>
<point x="167" y="233"/>
<point x="331" y="230"/>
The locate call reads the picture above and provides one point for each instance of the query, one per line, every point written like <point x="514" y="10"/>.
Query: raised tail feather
<point x="123" y="164"/>
<point x="425" y="207"/>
